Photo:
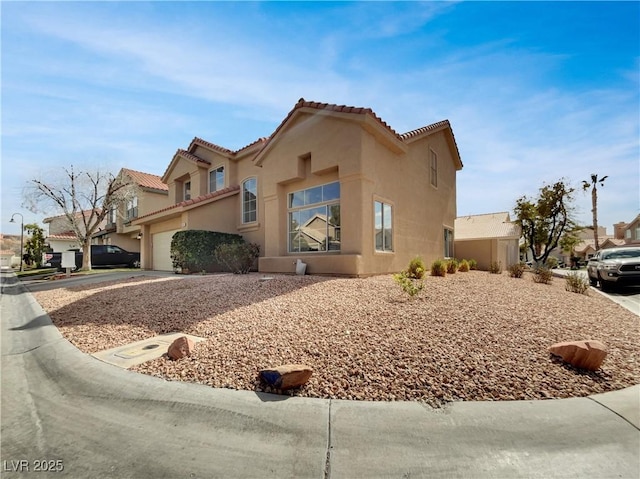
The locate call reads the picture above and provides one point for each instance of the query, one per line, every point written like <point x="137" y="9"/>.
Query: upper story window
<point x="250" y="200"/>
<point x="113" y="215"/>
<point x="132" y="208"/>
<point x="448" y="243"/>
<point x="433" y="168"/>
<point x="314" y="219"/>
<point x="187" y="190"/>
<point x="216" y="179"/>
<point x="383" y="222"/>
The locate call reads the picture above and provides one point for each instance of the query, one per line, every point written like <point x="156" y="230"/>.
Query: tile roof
<point x="212" y="146"/>
<point x="146" y="180"/>
<point x="193" y="201"/>
<point x="6" y="252"/>
<point x="491" y="225"/>
<point x="191" y="156"/>
<point x="67" y="235"/>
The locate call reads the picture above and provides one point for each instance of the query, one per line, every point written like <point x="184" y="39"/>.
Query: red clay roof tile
<point x="146" y="180"/>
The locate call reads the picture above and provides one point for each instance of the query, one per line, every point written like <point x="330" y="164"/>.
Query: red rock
<point x="287" y="376"/>
<point x="181" y="347"/>
<point x="587" y="354"/>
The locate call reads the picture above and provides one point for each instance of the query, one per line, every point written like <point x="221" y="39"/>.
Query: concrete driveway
<point x="97" y="420"/>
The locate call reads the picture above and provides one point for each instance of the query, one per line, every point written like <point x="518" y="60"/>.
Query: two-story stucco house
<point x="333" y="185"/>
<point x="149" y="194"/>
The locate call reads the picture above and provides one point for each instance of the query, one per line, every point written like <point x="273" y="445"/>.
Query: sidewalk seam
<point x="327" y="463"/>
<point x="614" y="412"/>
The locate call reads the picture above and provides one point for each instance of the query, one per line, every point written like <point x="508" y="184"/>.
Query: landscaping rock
<point x="587" y="354"/>
<point x="287" y="376"/>
<point x="180" y="348"/>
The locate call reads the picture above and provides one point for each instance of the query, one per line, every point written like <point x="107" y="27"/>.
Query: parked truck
<point x="101" y="256"/>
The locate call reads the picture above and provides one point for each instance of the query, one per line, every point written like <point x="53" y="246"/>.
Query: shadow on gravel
<point x="173" y="305"/>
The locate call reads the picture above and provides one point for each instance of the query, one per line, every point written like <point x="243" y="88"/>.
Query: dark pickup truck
<point x="101" y="256"/>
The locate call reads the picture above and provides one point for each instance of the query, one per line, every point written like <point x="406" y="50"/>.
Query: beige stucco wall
<point x="320" y="149"/>
<point x="483" y="251"/>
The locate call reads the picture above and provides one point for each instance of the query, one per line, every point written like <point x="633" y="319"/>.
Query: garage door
<point x="161" y="247"/>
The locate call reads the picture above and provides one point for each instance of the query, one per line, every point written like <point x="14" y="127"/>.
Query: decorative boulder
<point x="287" y="376"/>
<point x="587" y="354"/>
<point x="180" y="348"/>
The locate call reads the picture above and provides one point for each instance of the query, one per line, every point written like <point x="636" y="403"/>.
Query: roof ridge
<point x="424" y="129"/>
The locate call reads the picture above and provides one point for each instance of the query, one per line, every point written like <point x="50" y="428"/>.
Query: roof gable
<point x="183" y="154"/>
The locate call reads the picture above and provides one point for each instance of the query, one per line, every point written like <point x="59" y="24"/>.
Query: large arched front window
<point x="250" y="200"/>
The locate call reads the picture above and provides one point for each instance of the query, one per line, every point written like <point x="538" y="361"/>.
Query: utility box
<point x="68" y="259"/>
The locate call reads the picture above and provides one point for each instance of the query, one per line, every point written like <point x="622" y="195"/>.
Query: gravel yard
<point x="469" y="336"/>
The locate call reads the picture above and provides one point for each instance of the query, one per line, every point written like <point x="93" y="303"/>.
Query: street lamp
<point x="21" y="234"/>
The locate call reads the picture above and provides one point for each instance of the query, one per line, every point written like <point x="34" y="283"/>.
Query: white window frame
<point x="327" y="204"/>
<point x="245" y="202"/>
<point x="215" y="171"/>
<point x="384" y="206"/>
<point x="132" y="208"/>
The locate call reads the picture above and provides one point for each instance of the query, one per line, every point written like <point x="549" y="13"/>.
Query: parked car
<point x="101" y="255"/>
<point x="615" y="266"/>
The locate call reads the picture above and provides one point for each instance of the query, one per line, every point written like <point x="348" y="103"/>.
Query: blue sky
<point x="534" y="91"/>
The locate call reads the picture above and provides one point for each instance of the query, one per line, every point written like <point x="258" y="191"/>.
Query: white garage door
<point x="161" y="246"/>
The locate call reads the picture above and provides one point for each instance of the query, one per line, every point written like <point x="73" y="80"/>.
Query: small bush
<point x="463" y="267"/>
<point x="576" y="283"/>
<point x="452" y="266"/>
<point x="416" y="268"/>
<point x="543" y="275"/>
<point x="439" y="268"/>
<point x="409" y="285"/>
<point x="495" y="267"/>
<point x="237" y="257"/>
<point x="473" y="264"/>
<point x="516" y="270"/>
<point x="552" y="262"/>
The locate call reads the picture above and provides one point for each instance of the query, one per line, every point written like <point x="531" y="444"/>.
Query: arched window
<point x="250" y="200"/>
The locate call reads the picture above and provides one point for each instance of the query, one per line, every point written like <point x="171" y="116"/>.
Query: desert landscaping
<point x="466" y="337"/>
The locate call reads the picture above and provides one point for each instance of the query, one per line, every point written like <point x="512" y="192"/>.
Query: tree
<point x="594" y="203"/>
<point x="569" y="241"/>
<point x="544" y="220"/>
<point x="83" y="197"/>
<point x="35" y="245"/>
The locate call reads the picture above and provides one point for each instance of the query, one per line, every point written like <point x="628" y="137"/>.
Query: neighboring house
<point x="150" y="194"/>
<point x="487" y="238"/>
<point x="61" y="236"/>
<point x="629" y="232"/>
<point x="6" y="258"/>
<point x="333" y="185"/>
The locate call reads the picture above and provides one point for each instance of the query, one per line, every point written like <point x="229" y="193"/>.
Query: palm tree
<point x="594" y="202"/>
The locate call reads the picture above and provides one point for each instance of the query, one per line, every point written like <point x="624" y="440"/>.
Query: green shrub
<point x="516" y="270"/>
<point x="409" y="285"/>
<point x="238" y="258"/>
<point x="552" y="262"/>
<point x="439" y="268"/>
<point x="576" y="283"/>
<point x="452" y="266"/>
<point x="495" y="267"/>
<point x="473" y="264"/>
<point x="194" y="249"/>
<point x="416" y="268"/>
<point x="542" y="274"/>
<point x="463" y="267"/>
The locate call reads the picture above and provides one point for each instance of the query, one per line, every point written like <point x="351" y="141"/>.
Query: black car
<point x="615" y="266"/>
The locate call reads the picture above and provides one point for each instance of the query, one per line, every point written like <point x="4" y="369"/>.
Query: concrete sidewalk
<point x="102" y="421"/>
